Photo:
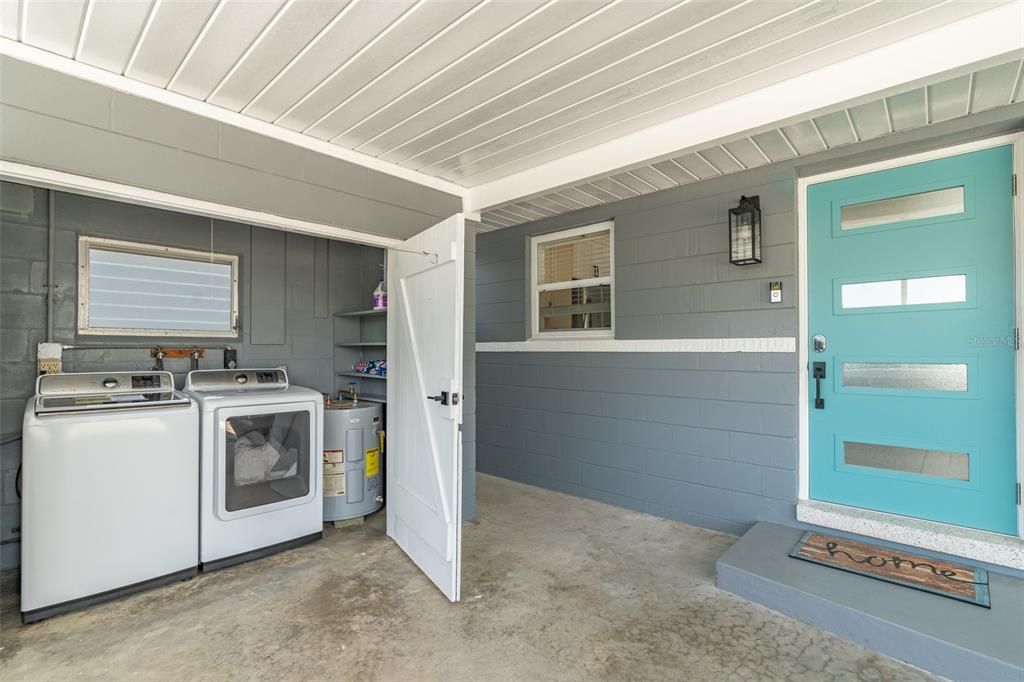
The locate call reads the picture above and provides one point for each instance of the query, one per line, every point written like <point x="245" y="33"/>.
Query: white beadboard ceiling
<point x="943" y="100"/>
<point x="467" y="94"/>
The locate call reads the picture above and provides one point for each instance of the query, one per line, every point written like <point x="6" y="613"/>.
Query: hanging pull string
<point x="429" y="254"/>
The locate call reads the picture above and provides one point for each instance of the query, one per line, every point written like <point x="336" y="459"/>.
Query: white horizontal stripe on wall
<point x="771" y="344"/>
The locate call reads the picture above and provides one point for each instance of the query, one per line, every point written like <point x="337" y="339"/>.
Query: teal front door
<point x="911" y="341"/>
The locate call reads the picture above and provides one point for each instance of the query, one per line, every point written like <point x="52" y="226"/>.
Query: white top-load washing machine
<point x="110" y="489"/>
<point x="261" y="444"/>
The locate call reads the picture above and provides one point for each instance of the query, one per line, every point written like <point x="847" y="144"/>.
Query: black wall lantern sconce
<point x="745" y="232"/>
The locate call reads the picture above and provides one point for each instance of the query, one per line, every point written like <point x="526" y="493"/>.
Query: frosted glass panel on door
<point x="905" y="375"/>
<point x="932" y="204"/>
<point x="911" y="291"/>
<point x="938" y="463"/>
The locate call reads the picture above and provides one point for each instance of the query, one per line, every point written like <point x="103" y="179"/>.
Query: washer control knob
<point x="241" y="378"/>
<point x="110" y="382"/>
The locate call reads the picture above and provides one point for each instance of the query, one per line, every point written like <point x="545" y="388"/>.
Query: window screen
<point x="572" y="282"/>
<point x="140" y="289"/>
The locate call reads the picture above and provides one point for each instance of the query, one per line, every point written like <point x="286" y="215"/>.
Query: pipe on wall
<point x="51" y="278"/>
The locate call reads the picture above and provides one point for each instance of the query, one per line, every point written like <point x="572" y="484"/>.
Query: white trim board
<point x="771" y="344"/>
<point x="803" y="407"/>
<point x="115" y="191"/>
<point x="86" y="72"/>
<point x="983" y="36"/>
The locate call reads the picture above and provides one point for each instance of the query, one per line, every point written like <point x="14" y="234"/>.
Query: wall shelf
<point x="363" y="344"/>
<point x="359" y="375"/>
<point x="364" y="313"/>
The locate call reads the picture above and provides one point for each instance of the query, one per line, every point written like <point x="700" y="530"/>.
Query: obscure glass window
<point x="910" y="291"/>
<point x="571" y="279"/>
<point x="910" y="376"/>
<point x="932" y="204"/>
<point x="145" y="290"/>
<point x="938" y="463"/>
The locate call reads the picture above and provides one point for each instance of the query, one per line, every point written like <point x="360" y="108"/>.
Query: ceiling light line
<point x="423" y="83"/>
<point x="492" y="217"/>
<point x="789" y="142"/>
<point x="817" y="130"/>
<point x="576" y="57"/>
<point x="82" y="28"/>
<point x="142" y="36"/>
<point x="469" y="180"/>
<point x="195" y="43"/>
<point x="718" y="171"/>
<point x="515" y="212"/>
<point x="564" y="193"/>
<point x="641" y="180"/>
<point x="606" y="191"/>
<point x="522" y="206"/>
<point x="249" y="50"/>
<point x="310" y="44"/>
<point x="732" y="156"/>
<point x="458" y="21"/>
<point x="686" y="170"/>
<point x="512" y="215"/>
<point x="656" y="170"/>
<point x="582" y="188"/>
<point x="1017" y="83"/>
<point x="657" y="89"/>
<point x="551" y="198"/>
<point x="351" y="59"/>
<point x="630" y="191"/>
<point x="849" y="121"/>
<point x="888" y="115"/>
<point x="537" y="208"/>
<point x="571" y="27"/>
<point x="760" y="151"/>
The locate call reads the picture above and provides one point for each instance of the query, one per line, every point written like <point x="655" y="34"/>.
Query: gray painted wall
<point x="709" y="439"/>
<point x="303" y="340"/>
<point x="55" y="121"/>
<point x="469" y="378"/>
<point x="706" y="438"/>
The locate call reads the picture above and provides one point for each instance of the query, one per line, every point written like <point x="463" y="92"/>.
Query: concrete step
<point x="949" y="638"/>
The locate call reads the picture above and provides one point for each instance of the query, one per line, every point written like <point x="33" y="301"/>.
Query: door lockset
<point x="445" y="398"/>
<point x="818" y="343"/>
<point x="818" y="373"/>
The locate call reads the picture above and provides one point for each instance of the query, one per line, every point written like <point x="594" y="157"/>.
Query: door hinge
<point x="1014" y="184"/>
<point x="1016" y="338"/>
<point x="1018" y="494"/>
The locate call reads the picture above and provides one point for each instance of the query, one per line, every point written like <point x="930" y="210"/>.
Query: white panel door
<point x="425" y="325"/>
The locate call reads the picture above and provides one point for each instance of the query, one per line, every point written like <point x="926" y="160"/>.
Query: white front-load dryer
<point x="261" y="478"/>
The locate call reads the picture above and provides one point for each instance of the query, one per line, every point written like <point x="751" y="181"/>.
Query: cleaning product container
<point x="353" y="473"/>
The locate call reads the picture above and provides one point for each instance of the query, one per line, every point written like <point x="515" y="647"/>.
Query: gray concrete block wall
<point x="306" y="349"/>
<point x="59" y="122"/>
<point x="705" y="438"/>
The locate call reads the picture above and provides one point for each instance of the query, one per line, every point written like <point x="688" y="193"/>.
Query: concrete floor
<point x="554" y="587"/>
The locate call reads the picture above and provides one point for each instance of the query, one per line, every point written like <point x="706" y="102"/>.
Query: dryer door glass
<point x="267" y="459"/>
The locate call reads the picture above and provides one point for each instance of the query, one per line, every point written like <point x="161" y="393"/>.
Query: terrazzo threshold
<point x="954" y="639"/>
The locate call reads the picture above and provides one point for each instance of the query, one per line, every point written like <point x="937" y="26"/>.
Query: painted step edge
<point x="900" y="642"/>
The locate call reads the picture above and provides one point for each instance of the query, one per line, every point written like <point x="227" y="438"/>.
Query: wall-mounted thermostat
<point x="775" y="292"/>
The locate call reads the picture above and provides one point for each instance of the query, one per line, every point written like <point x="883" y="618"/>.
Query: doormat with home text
<point x="945" y="578"/>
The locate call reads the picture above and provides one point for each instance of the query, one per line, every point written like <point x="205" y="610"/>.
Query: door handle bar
<point x="818" y="372"/>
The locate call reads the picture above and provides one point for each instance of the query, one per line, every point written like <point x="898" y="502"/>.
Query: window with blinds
<point x="572" y="273"/>
<point x="133" y="289"/>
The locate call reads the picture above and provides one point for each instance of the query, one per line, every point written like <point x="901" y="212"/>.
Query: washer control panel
<point x="94" y="383"/>
<point x="236" y="379"/>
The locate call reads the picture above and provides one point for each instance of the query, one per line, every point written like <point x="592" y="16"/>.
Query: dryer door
<point x="266" y="458"/>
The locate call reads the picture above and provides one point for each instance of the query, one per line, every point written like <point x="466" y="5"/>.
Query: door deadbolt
<point x="818" y="343"/>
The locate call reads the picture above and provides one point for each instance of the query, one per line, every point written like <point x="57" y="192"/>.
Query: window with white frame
<point x="572" y="275"/>
<point x="133" y="289"/>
